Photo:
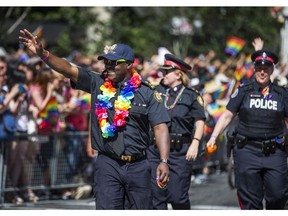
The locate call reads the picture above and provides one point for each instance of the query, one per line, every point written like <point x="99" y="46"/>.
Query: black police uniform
<point x="188" y="107"/>
<point x="115" y="176"/>
<point x="259" y="161"/>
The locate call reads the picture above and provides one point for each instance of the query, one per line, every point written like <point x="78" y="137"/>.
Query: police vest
<point x="261" y="118"/>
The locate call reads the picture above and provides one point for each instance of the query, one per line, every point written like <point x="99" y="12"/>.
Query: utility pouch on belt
<point x="268" y="147"/>
<point x="175" y="142"/>
<point x="240" y="140"/>
<point x="230" y="142"/>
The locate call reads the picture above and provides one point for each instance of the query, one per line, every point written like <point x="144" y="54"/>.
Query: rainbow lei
<point x="121" y="105"/>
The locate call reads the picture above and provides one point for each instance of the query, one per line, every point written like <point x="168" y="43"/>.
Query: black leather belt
<point x="255" y="143"/>
<point x="131" y="158"/>
<point x="127" y="158"/>
<point x="260" y="144"/>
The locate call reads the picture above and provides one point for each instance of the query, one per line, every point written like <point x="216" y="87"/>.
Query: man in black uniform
<point x="122" y="107"/>
<point x="260" y="160"/>
<point x="185" y="108"/>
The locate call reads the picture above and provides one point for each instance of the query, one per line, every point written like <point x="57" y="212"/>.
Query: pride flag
<point x="221" y="92"/>
<point x="234" y="45"/>
<point x="84" y="101"/>
<point x="239" y="73"/>
<point x="38" y="31"/>
<point x="215" y="110"/>
<point x="248" y="61"/>
<point x="51" y="109"/>
<point x="48" y="119"/>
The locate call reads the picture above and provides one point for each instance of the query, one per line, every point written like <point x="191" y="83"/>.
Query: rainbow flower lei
<point x="121" y="106"/>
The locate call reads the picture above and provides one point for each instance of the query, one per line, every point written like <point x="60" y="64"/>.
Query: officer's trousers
<point x="259" y="177"/>
<point x="122" y="185"/>
<point x="180" y="172"/>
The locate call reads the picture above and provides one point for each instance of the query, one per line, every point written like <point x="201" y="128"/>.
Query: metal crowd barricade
<point x="53" y="158"/>
<point x="65" y="165"/>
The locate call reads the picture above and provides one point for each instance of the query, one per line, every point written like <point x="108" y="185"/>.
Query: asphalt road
<point x="214" y="194"/>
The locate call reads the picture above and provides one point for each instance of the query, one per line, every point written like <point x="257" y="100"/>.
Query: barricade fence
<point x="44" y="163"/>
<point x="57" y="161"/>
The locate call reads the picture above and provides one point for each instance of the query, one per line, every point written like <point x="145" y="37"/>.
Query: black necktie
<point x="118" y="145"/>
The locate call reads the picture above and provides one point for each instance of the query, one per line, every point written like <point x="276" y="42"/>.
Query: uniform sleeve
<point x="235" y="100"/>
<point x="286" y="102"/>
<point x="84" y="82"/>
<point x="157" y="113"/>
<point x="198" y="108"/>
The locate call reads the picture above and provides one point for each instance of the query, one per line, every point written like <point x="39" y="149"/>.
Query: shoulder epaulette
<point x="280" y="89"/>
<point x="246" y="86"/>
<point x="194" y="90"/>
<point x="147" y="83"/>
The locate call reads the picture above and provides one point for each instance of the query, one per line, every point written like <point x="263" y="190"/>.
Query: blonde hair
<point x="184" y="78"/>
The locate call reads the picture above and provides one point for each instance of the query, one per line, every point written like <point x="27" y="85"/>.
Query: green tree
<point x="148" y="28"/>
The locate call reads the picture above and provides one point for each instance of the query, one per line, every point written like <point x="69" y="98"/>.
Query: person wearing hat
<point x="260" y="159"/>
<point x="185" y="108"/>
<point x="123" y="109"/>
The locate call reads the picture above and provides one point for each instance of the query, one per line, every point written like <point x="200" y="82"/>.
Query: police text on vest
<point x="263" y="104"/>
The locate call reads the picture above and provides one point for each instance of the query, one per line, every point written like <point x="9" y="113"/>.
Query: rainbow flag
<point x="234" y="45"/>
<point x="248" y="61"/>
<point x="84" y="101"/>
<point x="215" y="110"/>
<point x="202" y="153"/>
<point x="38" y="31"/>
<point x="221" y="92"/>
<point x="239" y="73"/>
<point x="51" y="109"/>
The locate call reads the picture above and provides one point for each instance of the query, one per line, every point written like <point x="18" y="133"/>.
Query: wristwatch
<point x="165" y="161"/>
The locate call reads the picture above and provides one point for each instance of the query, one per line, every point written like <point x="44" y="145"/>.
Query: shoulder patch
<point x="235" y="93"/>
<point x="147" y="83"/>
<point x="157" y="96"/>
<point x="200" y="100"/>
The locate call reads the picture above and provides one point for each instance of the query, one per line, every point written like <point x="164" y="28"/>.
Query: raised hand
<point x="31" y="42"/>
<point x="258" y="44"/>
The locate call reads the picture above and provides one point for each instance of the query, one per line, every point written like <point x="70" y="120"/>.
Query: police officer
<point x="122" y="110"/>
<point x="185" y="108"/>
<point x="260" y="160"/>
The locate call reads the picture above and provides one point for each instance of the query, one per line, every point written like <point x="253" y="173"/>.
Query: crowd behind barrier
<point x="52" y="121"/>
<point x="58" y="168"/>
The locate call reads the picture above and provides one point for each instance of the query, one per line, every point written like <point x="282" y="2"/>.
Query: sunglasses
<point x="264" y="68"/>
<point x="111" y="63"/>
<point x="165" y="72"/>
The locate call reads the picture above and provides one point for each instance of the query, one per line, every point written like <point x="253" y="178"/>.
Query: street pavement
<point x="214" y="194"/>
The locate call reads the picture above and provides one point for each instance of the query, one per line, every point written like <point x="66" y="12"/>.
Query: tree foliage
<point x="148" y="28"/>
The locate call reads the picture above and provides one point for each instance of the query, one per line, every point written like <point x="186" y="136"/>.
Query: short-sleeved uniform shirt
<point x="188" y="107"/>
<point x="259" y="117"/>
<point x="145" y="111"/>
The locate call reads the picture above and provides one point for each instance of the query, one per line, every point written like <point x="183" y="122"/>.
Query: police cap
<point x="119" y="51"/>
<point x="264" y="57"/>
<point x="172" y="62"/>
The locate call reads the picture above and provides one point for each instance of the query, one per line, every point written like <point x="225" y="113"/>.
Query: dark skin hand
<point x="58" y="64"/>
<point x="163" y="143"/>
